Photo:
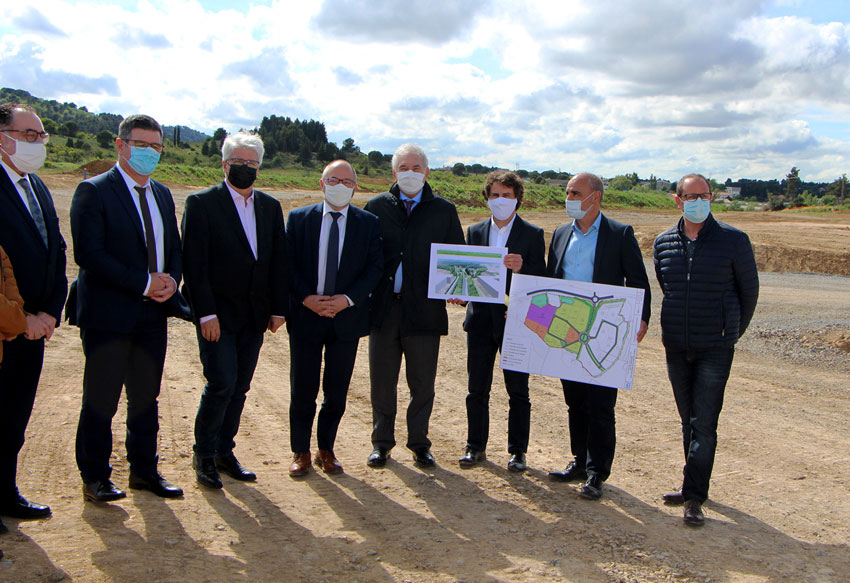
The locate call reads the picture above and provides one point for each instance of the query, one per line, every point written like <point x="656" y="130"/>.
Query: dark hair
<point x="138" y="121"/>
<point x="7" y="111"/>
<point x="681" y="184"/>
<point x="507" y="178"/>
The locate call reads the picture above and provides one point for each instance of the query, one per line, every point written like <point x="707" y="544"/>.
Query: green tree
<point x="621" y="182"/>
<point x="50" y="126"/>
<point x="838" y="188"/>
<point x="69" y="128"/>
<point x="220" y="134"/>
<point x="792" y="183"/>
<point x="305" y="156"/>
<point x="105" y="138"/>
<point x="348" y="146"/>
<point x="375" y="158"/>
<point x="459" y="169"/>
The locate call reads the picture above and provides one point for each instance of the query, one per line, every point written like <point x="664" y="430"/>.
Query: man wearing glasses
<point x="335" y="262"/>
<point x="29" y="232"/>
<point x="127" y="246"/>
<point x="708" y="275"/>
<point x="234" y="257"/>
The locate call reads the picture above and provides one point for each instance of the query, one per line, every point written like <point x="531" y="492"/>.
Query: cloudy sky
<point x="731" y="88"/>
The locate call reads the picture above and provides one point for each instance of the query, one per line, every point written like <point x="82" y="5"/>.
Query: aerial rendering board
<point x="467" y="272"/>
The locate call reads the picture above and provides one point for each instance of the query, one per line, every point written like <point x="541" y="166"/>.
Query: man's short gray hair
<point x="406" y="149"/>
<point x="242" y="140"/>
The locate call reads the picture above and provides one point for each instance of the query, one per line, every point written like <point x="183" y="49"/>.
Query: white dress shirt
<point x="156" y="218"/>
<point x="15" y="178"/>
<point x="499" y="237"/>
<point x="247" y="216"/>
<point x="324" y="234"/>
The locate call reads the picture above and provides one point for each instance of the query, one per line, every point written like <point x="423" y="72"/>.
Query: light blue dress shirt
<point x="581" y="253"/>
<point x="416" y="199"/>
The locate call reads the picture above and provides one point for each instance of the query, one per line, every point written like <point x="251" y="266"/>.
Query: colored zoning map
<point x="573" y="330"/>
<point x="592" y="328"/>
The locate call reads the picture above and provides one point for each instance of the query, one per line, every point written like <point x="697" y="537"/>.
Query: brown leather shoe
<point x="300" y="464"/>
<point x="326" y="460"/>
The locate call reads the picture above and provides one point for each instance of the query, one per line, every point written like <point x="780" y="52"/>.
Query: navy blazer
<point x="39" y="270"/>
<point x="618" y="258"/>
<point x="109" y="247"/>
<point x="361" y="264"/>
<point x="526" y="240"/>
<point x="222" y="275"/>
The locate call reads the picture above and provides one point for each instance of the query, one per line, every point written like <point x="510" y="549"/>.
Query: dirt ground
<point x="780" y="498"/>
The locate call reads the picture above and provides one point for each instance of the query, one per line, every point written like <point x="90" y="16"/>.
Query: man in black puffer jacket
<point x="707" y="272"/>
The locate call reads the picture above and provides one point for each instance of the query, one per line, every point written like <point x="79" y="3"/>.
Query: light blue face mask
<point x="143" y="160"/>
<point x="696" y="211"/>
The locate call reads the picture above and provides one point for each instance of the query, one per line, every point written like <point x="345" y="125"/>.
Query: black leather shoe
<point x="378" y="457"/>
<point x="471" y="457"/>
<point x="517" y="463"/>
<point x="206" y="472"/>
<point x="693" y="513"/>
<point x="674" y="498"/>
<point x="592" y="489"/>
<point x="20" y="507"/>
<point x="572" y="473"/>
<point x="155" y="484"/>
<point x="423" y="458"/>
<point x="3" y="530"/>
<point x="102" y="491"/>
<point x="231" y="466"/>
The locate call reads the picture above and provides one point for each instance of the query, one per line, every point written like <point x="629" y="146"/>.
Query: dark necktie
<point x="150" y="242"/>
<point x="35" y="211"/>
<point x="331" y="265"/>
<point x="409" y="203"/>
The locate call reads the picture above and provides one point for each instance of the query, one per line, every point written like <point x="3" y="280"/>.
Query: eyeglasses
<point x="692" y="197"/>
<point x="333" y="181"/>
<point x="32" y="135"/>
<point x="243" y="162"/>
<point x="140" y="144"/>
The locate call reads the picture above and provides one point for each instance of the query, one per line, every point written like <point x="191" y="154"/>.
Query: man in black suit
<point x="404" y="321"/>
<point x="336" y="261"/>
<point x="234" y="257"/>
<point x="29" y="232"/>
<point x="485" y="323"/>
<point x="127" y="246"/>
<point x="594" y="248"/>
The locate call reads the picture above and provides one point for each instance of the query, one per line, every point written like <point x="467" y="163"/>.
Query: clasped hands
<point x="327" y="306"/>
<point x="40" y="325"/>
<point x="162" y="287"/>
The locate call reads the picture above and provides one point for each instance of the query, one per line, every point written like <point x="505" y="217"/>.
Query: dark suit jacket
<point x="360" y="266"/>
<point x="618" y="259"/>
<point x="526" y="240"/>
<point x="109" y="247"/>
<point x="39" y="270"/>
<point x="222" y="276"/>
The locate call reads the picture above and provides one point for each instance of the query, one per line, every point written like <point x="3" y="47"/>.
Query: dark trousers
<point x="480" y="358"/>
<point x="228" y="367"/>
<point x="386" y="347"/>
<point x="135" y="361"/>
<point x="19" y="374"/>
<point x="304" y="371"/>
<point x="593" y="433"/>
<point x="699" y="382"/>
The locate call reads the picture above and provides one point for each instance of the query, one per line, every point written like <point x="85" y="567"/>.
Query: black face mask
<point x="241" y="175"/>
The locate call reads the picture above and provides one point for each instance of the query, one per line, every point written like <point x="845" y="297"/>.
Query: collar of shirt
<point x="13" y="176"/>
<point x="416" y="199"/>
<point x="131" y="184"/>
<point x="238" y="198"/>
<point x="500" y="235"/>
<point x="327" y="209"/>
<point x="593" y="227"/>
<point x="16" y="178"/>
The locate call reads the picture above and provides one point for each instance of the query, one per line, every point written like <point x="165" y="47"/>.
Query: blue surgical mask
<point x="696" y="211"/>
<point x="143" y="160"/>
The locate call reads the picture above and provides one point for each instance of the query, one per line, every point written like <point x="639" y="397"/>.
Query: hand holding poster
<point x="467" y="272"/>
<point x="572" y="330"/>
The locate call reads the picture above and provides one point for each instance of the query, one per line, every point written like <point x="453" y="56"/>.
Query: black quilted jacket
<point x="709" y="297"/>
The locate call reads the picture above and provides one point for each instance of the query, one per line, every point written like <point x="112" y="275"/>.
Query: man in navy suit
<point x="594" y="248"/>
<point x="127" y="246"/>
<point x="335" y="263"/>
<point x="234" y="253"/>
<point x="29" y="232"/>
<point x="485" y="322"/>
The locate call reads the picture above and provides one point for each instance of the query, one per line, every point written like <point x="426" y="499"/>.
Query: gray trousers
<point x="386" y="347"/>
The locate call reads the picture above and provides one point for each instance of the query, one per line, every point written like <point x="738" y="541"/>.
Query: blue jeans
<point x="228" y="367"/>
<point x="699" y="382"/>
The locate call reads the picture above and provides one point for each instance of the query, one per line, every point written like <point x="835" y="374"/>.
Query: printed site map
<point x="572" y="330"/>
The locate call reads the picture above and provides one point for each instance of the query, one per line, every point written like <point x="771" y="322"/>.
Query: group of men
<point x="333" y="275"/>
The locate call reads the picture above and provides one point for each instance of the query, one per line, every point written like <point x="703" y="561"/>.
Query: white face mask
<point x="338" y="195"/>
<point x="410" y="182"/>
<point x="574" y="209"/>
<point x="28" y="156"/>
<point x="502" y="207"/>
